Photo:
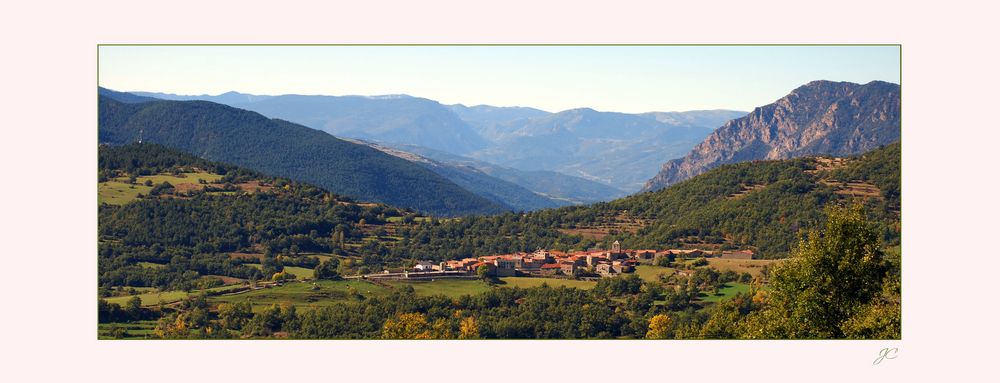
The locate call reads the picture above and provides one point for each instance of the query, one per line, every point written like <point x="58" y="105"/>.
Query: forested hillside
<point x="760" y="205"/>
<point x="221" y="133"/>
<point x="757" y="205"/>
<point x="505" y="193"/>
<point x="191" y="232"/>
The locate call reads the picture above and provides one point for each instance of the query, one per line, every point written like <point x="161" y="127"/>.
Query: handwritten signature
<point x="886" y="353"/>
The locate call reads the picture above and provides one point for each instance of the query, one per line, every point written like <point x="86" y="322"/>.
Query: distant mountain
<point x="399" y="119"/>
<point x="221" y="133"/>
<point x="486" y="119"/>
<point x="707" y="118"/>
<point x="616" y="149"/>
<point x="125" y="97"/>
<point x="556" y="186"/>
<point x="501" y="191"/>
<point x="228" y="98"/>
<point x="821" y="117"/>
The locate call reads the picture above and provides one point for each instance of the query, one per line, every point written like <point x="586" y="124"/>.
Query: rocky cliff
<point x="821" y="117"/>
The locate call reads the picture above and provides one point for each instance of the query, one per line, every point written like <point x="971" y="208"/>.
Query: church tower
<point x="616" y="248"/>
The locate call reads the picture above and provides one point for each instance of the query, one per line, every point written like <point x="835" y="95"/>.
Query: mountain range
<point x="561" y="188"/>
<point x="617" y="149"/>
<point x="221" y="133"/>
<point x="397" y="119"/>
<point x="524" y="158"/>
<point x="821" y="117"/>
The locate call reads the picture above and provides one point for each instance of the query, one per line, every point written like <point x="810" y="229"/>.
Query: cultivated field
<point x="622" y="223"/>
<point x="740" y="266"/>
<point x="152" y="298"/>
<point x="528" y="282"/>
<point x="132" y="330"/>
<point x="155" y="298"/>
<point x="452" y="288"/>
<point x="300" y="273"/>
<point x="305" y="294"/>
<point x="650" y="273"/>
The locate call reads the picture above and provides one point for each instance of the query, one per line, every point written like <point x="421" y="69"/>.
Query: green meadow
<point x="650" y="273"/>
<point x="118" y="191"/>
<point x="528" y="282"/>
<point x="730" y="290"/>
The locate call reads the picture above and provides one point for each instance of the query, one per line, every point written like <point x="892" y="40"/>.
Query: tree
<point x="133" y="307"/>
<point x="235" y="316"/>
<point x="264" y="323"/>
<point x="832" y="275"/>
<point x="281" y="276"/>
<point x="406" y="326"/>
<point x="483" y="272"/>
<point x="659" y="327"/>
<point x="468" y="329"/>
<point x="327" y="269"/>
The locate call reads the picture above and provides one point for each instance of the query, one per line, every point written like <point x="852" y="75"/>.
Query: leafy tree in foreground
<point x="659" y="327"/>
<point x="833" y="275"/>
<point x="407" y="326"/>
<point x="469" y="329"/>
<point x="235" y="316"/>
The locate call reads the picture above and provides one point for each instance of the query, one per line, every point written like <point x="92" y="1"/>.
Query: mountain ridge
<point x="821" y="117"/>
<point x="281" y="148"/>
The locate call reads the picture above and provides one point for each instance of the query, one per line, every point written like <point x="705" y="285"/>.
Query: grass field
<point x="133" y="330"/>
<point x="300" y="273"/>
<point x="329" y="293"/>
<point x="731" y="289"/>
<point x="650" y="273"/>
<point x="153" y="298"/>
<point x="415" y="219"/>
<point x="452" y="288"/>
<point x="117" y="191"/>
<point x="302" y="295"/>
<point x="151" y="265"/>
<point x="527" y="282"/>
<point x="740" y="266"/>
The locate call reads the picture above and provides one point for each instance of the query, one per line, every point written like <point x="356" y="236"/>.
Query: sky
<point x="629" y="79"/>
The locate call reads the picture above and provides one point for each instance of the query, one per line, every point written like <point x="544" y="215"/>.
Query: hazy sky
<point x="623" y="78"/>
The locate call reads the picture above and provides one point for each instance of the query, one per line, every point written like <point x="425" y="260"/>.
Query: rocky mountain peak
<point x="821" y="117"/>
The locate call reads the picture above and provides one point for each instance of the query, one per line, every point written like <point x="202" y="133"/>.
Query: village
<point x="590" y="264"/>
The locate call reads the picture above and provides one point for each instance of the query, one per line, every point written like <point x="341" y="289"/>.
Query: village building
<point x="506" y="267"/>
<point x="568" y="268"/>
<point x="550" y="269"/>
<point x="622" y="267"/>
<point x="605" y="269"/>
<point x="491" y="269"/>
<point x="645" y="255"/>
<point x="424" y="266"/>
